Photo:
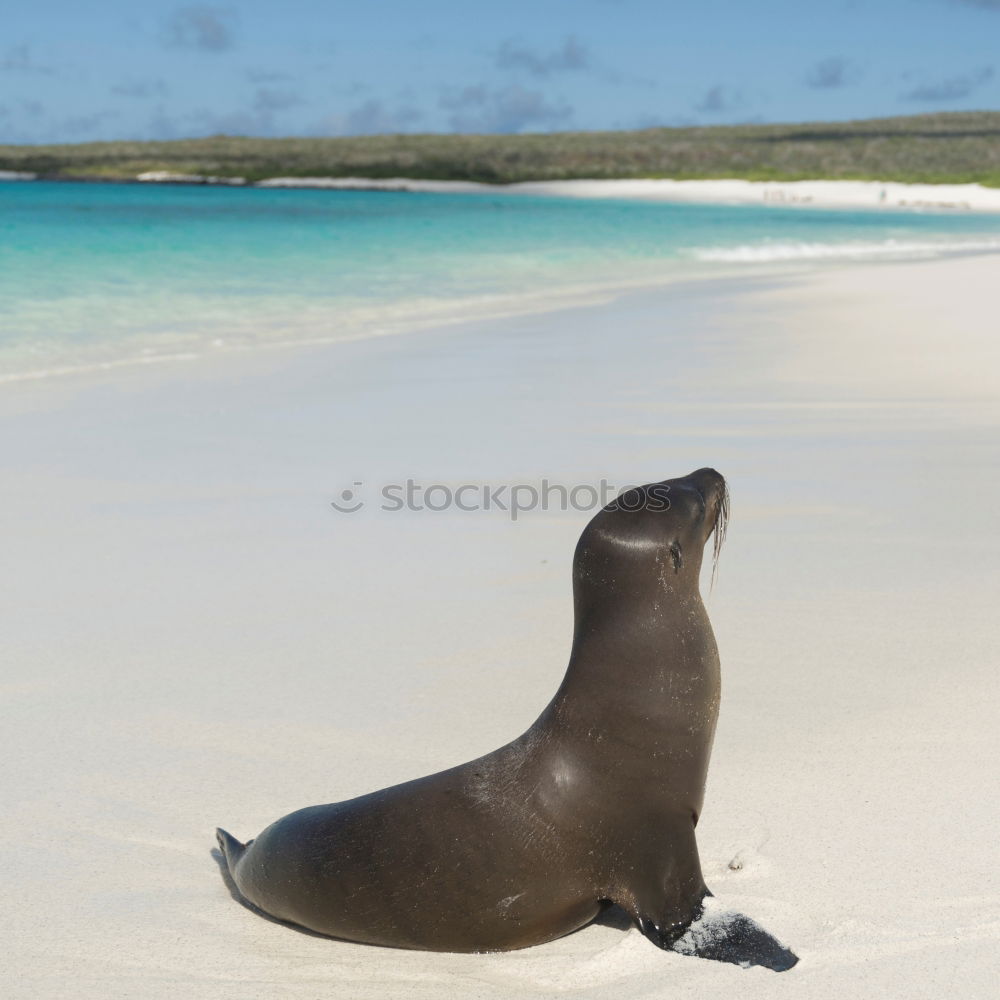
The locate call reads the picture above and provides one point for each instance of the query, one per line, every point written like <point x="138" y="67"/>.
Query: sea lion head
<point x="651" y="538"/>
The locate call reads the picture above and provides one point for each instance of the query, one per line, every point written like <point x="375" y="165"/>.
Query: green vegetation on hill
<point x="953" y="148"/>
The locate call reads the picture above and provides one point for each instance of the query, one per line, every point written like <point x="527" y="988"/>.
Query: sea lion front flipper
<point x="666" y="892"/>
<point x="726" y="936"/>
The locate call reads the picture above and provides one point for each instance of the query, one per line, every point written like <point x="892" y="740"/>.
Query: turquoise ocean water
<point x="98" y="274"/>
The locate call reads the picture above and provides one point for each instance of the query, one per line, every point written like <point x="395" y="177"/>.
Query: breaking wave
<point x="890" y="248"/>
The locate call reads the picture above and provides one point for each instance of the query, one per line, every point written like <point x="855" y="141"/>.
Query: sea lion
<point x="595" y="804"/>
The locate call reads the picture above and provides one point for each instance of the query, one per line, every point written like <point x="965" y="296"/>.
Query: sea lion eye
<point x="677" y="555"/>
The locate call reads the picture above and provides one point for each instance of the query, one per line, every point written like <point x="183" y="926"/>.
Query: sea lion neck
<point x="634" y="643"/>
<point x="647" y="661"/>
<point x="641" y="696"/>
<point x="632" y="608"/>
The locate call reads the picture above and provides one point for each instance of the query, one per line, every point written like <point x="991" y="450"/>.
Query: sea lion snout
<point x="702" y="494"/>
<point x="709" y="482"/>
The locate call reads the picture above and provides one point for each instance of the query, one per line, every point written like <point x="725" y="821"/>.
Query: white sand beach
<point x="872" y="194"/>
<point x="725" y="191"/>
<point x="819" y="194"/>
<point x="192" y="636"/>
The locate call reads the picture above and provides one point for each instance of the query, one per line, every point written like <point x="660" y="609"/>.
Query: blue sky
<point x="111" y="69"/>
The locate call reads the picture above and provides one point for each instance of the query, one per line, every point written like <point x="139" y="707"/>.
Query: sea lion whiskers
<point x="719" y="529"/>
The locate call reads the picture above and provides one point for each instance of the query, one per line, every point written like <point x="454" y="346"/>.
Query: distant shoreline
<point x="731" y="191"/>
<point x="956" y="148"/>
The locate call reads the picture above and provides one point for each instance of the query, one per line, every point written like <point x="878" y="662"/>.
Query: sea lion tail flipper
<point x="726" y="936"/>
<point x="232" y="849"/>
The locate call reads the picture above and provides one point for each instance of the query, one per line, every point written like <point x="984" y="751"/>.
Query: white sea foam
<point x="761" y="253"/>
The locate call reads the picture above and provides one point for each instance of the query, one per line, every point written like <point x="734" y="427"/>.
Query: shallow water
<point x="96" y="274"/>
